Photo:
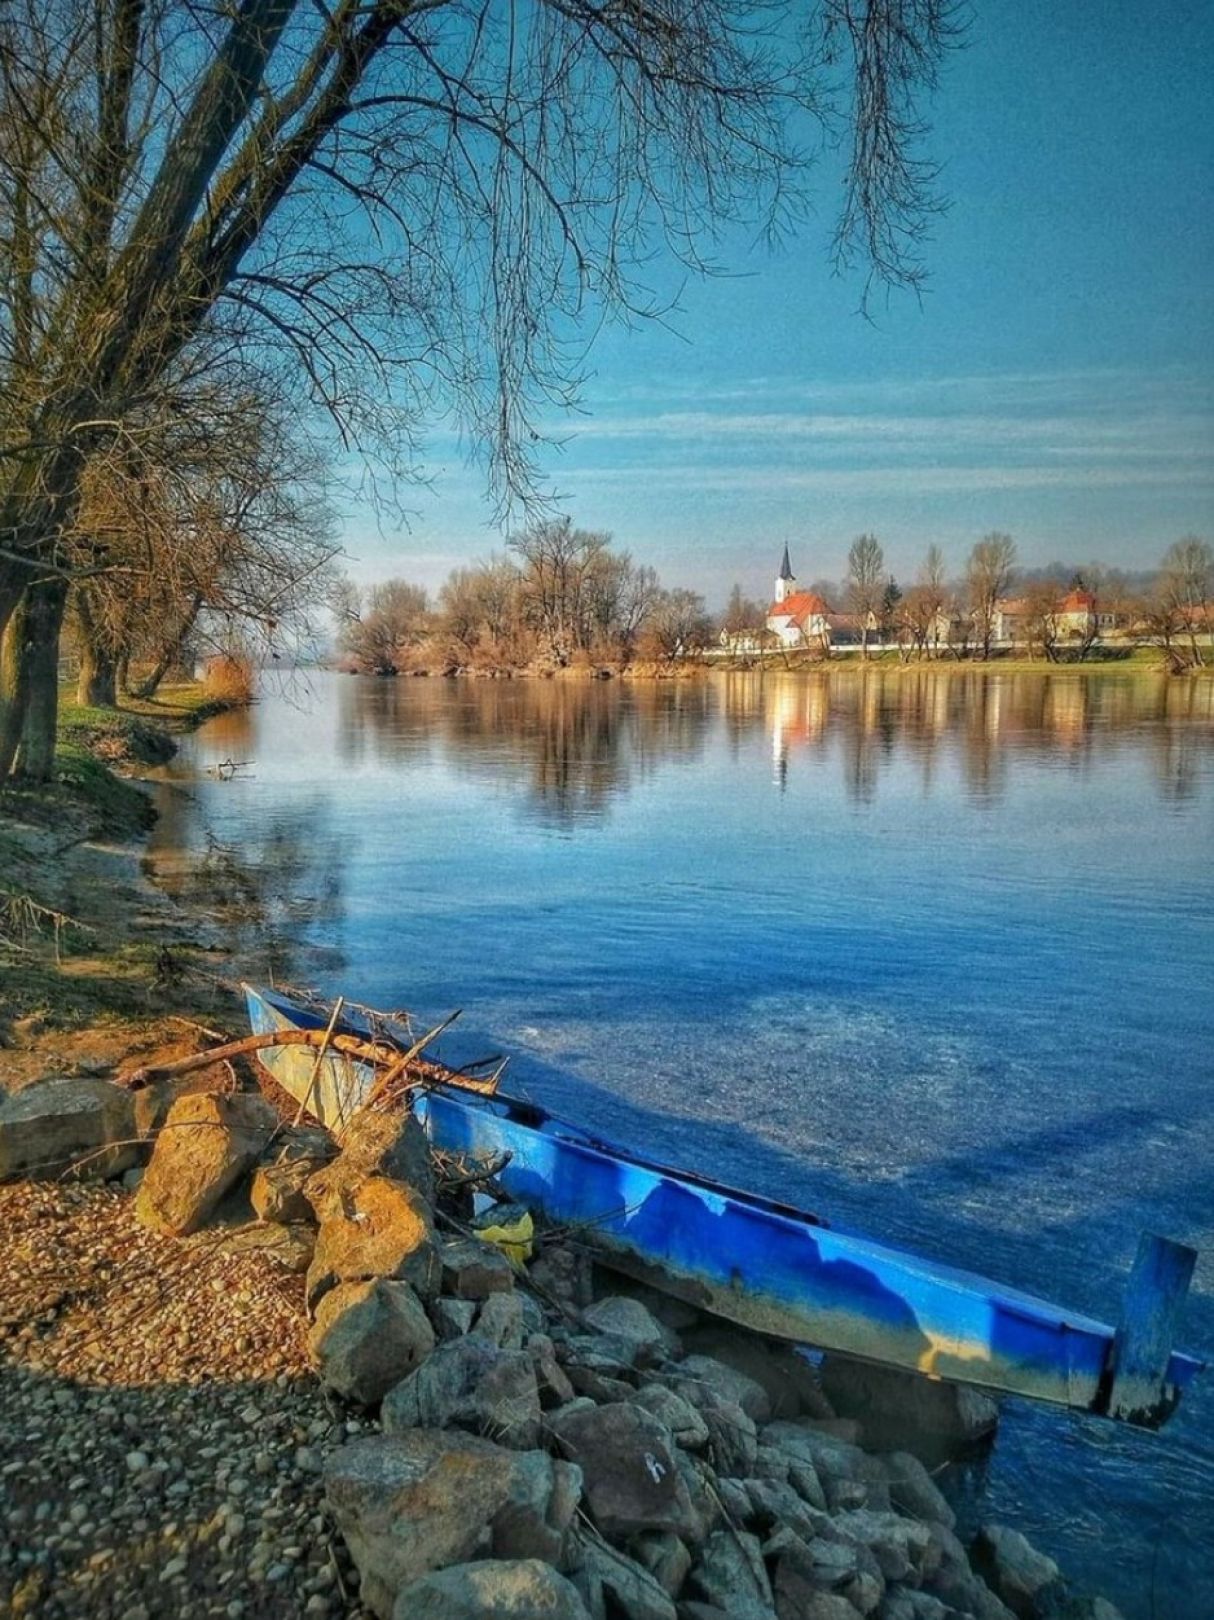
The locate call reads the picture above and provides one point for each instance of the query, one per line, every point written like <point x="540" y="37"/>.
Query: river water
<point x="930" y="953"/>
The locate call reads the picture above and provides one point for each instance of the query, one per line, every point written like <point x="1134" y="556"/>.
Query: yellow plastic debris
<point x="513" y="1239"/>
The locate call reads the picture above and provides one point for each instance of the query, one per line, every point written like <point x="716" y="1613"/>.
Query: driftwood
<point x="376" y="1053"/>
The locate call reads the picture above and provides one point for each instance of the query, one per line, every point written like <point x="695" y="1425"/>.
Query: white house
<point x="797" y="618"/>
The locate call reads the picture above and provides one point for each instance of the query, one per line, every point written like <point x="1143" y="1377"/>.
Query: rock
<point x="555" y="1389"/>
<point x="664" y="1556"/>
<point x="617" y="1585"/>
<point x="679" y="1416"/>
<point x="788" y="1377"/>
<point x="367" y="1336"/>
<point x="208" y="1141"/>
<point x="772" y="1504"/>
<point x="474" y="1270"/>
<point x="277" y="1191"/>
<point x="904" y="1411"/>
<point x="625" y="1318"/>
<point x="730" y="1573"/>
<point x="732" y="1444"/>
<point x="471" y="1383"/>
<point x="47" y="1127"/>
<point x="500" y="1320"/>
<point x="628" y="1464"/>
<point x="521" y="1589"/>
<point x="290" y="1247"/>
<point x="393" y="1144"/>
<point x="902" y="1547"/>
<point x="132" y="1178"/>
<point x="967" y="1593"/>
<point x="387" y="1231"/>
<point x="913" y="1489"/>
<point x="846" y="1476"/>
<point x="452" y="1318"/>
<point x="703" y="1492"/>
<point x="807" y="1570"/>
<point x="904" y="1603"/>
<point x="411" y="1503"/>
<point x="822" y="1606"/>
<point x="1016" y="1572"/>
<point x="728" y="1383"/>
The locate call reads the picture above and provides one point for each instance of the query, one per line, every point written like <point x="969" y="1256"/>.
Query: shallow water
<point x="933" y="954"/>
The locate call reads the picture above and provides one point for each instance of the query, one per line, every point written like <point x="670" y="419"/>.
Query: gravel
<point x="161" y="1433"/>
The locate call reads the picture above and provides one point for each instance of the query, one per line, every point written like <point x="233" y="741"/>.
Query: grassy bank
<point x="1135" y="661"/>
<point x="92" y="957"/>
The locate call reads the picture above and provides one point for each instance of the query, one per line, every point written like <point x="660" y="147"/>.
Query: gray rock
<point x="385" y="1229"/>
<point x="411" y="1503"/>
<point x="958" y="1586"/>
<point x="902" y="1547"/>
<point x="46" y="1128"/>
<point x="615" y="1583"/>
<point x="847" y="1476"/>
<point x="367" y="1336"/>
<point x="913" y="1489"/>
<point x="208" y="1141"/>
<point x="392" y="1144"/>
<point x="521" y="1589"/>
<point x="277" y="1190"/>
<point x="703" y="1492"/>
<point x="624" y="1318"/>
<point x="788" y="1377"/>
<point x="628" y="1463"/>
<point x="732" y="1443"/>
<point x="471" y="1383"/>
<point x="679" y="1416"/>
<point x="555" y="1388"/>
<point x="474" y="1270"/>
<point x="772" y="1503"/>
<point x="730" y="1573"/>
<point x="904" y="1411"/>
<point x="500" y="1320"/>
<point x="664" y="1556"/>
<point x="132" y="1178"/>
<point x="904" y="1603"/>
<point x="729" y="1383"/>
<point x="452" y="1318"/>
<point x="1014" y="1569"/>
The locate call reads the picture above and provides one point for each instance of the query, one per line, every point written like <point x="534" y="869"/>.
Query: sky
<point x="1055" y="380"/>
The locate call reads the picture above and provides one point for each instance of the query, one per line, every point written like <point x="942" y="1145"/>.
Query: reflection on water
<point x="929" y="952"/>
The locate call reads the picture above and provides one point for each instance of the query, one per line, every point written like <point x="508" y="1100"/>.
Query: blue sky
<point x="1056" y="381"/>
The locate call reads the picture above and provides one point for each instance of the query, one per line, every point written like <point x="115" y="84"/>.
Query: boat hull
<point x="753" y="1261"/>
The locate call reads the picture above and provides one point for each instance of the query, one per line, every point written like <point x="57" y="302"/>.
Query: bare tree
<point x="1041" y="618"/>
<point x="865" y="582"/>
<point x="1186" y="583"/>
<point x="410" y="200"/>
<point x="988" y="574"/>
<point x="387" y="625"/>
<point x="677" y="626"/>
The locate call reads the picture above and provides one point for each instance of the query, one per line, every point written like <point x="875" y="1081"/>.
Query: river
<point x="932" y="953"/>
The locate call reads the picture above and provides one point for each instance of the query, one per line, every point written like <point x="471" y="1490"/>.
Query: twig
<point x="320" y="1056"/>
<point x="398" y="1067"/>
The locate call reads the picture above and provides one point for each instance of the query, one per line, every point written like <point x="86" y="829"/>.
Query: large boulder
<point x="788" y="1378"/>
<point x="58" y="1125"/>
<point x="520" y="1589"/>
<point x="846" y="1476"/>
<point x="728" y="1382"/>
<point x="904" y="1411"/>
<point x="622" y="1317"/>
<point x="473" y="1384"/>
<point x="277" y="1190"/>
<point x="368" y="1336"/>
<point x="378" y="1143"/>
<point x="686" y="1425"/>
<point x="386" y="1229"/>
<point x="207" y="1143"/>
<point x="411" y="1503"/>
<point x="913" y="1490"/>
<point x="630" y="1469"/>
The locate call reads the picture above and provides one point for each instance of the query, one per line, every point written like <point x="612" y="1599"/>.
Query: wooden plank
<point x="1150" y="1316"/>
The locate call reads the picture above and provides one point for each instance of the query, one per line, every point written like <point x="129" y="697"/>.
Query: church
<point x="797" y="618"/>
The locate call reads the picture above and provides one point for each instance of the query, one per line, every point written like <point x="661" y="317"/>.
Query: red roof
<point x="1077" y="602"/>
<point x="799" y="606"/>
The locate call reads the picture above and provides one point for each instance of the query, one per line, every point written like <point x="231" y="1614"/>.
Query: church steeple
<point x="786" y="582"/>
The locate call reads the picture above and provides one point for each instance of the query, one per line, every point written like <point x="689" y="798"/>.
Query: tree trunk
<point x="170" y="651"/>
<point x="14" y="687"/>
<point x="97" y="684"/>
<point x="45" y="604"/>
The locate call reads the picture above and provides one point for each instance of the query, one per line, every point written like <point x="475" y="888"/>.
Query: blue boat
<point x="765" y="1265"/>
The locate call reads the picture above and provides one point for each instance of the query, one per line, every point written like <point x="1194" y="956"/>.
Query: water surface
<point x="932" y="953"/>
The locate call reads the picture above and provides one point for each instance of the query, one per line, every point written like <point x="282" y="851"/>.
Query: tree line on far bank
<point x="558" y="597"/>
<point x="1171" y="607"/>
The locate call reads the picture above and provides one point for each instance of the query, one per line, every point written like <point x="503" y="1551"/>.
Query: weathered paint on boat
<point x="757" y="1262"/>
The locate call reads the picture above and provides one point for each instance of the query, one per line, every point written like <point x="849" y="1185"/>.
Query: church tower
<point x="785" y="582"/>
